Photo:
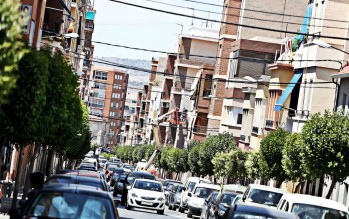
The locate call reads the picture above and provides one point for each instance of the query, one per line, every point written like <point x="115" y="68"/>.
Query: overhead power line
<point x="244" y="17"/>
<point x="230" y="23"/>
<point x="265" y="12"/>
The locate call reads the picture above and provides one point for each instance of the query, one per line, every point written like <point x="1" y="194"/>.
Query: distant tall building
<point x="106" y="98"/>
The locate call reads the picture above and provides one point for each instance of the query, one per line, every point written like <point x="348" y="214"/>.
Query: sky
<point x="126" y="25"/>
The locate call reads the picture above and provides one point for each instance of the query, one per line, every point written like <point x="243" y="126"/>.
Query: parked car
<point x="237" y="199"/>
<point x="71" y="201"/>
<point x="87" y="167"/>
<point x="117" y="172"/>
<point x="64" y="179"/>
<point x="109" y="171"/>
<point x="188" y="187"/>
<point x="174" y="198"/>
<point x="262" y="195"/>
<point x="207" y="205"/>
<point x="119" y="185"/>
<point x="115" y="160"/>
<point x="130" y="178"/>
<point x="242" y="211"/>
<point x="221" y="205"/>
<point x="167" y="182"/>
<point x="102" y="162"/>
<point x="168" y="189"/>
<point x="147" y="194"/>
<point x="197" y="198"/>
<point x="311" y="207"/>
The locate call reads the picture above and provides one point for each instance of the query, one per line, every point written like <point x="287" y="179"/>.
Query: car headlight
<point x="161" y="199"/>
<point x="134" y="195"/>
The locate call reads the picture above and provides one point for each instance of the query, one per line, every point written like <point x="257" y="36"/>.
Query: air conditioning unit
<point x="165" y="104"/>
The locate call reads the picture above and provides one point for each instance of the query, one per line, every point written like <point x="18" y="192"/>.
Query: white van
<point x="307" y="206"/>
<point x="197" y="198"/>
<point x="189" y="185"/>
<point x="262" y="195"/>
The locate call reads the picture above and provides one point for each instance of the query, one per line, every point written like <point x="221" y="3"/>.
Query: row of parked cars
<point x="200" y="197"/>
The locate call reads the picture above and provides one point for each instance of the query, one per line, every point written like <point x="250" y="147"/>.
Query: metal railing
<point x="200" y="129"/>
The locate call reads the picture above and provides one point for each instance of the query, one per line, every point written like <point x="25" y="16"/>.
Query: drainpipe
<point x="336" y="95"/>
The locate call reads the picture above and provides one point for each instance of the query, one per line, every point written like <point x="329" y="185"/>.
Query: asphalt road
<point x="145" y="214"/>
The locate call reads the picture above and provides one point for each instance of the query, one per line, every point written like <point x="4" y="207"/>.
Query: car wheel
<point x="161" y="212"/>
<point x="189" y="215"/>
<point x="174" y="208"/>
<point x="181" y="209"/>
<point x="169" y="207"/>
<point x="128" y="207"/>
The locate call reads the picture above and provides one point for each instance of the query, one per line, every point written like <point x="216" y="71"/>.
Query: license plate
<point x="147" y="203"/>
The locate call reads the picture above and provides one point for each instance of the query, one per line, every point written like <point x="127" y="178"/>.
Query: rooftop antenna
<point x="192" y="21"/>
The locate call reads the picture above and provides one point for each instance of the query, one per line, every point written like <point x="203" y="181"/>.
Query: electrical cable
<point x="265" y="12"/>
<point x="230" y="23"/>
<point x="245" y="17"/>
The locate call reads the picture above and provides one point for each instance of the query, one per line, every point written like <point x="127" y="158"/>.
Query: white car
<point x="146" y="194"/>
<point x="262" y="195"/>
<point x="197" y="198"/>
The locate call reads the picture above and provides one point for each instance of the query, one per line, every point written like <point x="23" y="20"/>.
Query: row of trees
<point x="320" y="150"/>
<point x="39" y="102"/>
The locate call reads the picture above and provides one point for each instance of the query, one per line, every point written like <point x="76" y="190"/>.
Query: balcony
<point x="269" y="124"/>
<point x="200" y="129"/>
<point x="96" y="105"/>
<point x="89" y="25"/>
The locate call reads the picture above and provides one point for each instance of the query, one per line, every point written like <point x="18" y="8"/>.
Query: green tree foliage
<point x="271" y="155"/>
<point x="136" y="154"/>
<point x="252" y="165"/>
<point x="220" y="143"/>
<point x="193" y="160"/>
<point x="219" y="165"/>
<point x="11" y="45"/>
<point x="326" y="139"/>
<point x="177" y="160"/>
<point x="293" y="158"/>
<point x="149" y="151"/>
<point x="236" y="164"/>
<point x="165" y="158"/>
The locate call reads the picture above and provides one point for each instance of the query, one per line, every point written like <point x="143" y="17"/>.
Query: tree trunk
<point x="43" y="159"/>
<point x="333" y="183"/>
<point x="18" y="177"/>
<point x="278" y="183"/>
<point x="48" y="162"/>
<point x="31" y="166"/>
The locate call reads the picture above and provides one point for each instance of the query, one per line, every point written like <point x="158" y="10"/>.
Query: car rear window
<point x="70" y="205"/>
<point x="67" y="181"/>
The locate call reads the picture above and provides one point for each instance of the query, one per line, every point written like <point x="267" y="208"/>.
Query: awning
<point x="90" y="15"/>
<point x="288" y="90"/>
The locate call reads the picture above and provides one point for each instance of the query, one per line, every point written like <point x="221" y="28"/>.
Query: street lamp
<point x="326" y="45"/>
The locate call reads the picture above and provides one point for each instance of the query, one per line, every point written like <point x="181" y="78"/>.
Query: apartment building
<point x="189" y="78"/>
<point x="130" y="116"/>
<point x="106" y="98"/>
<point x="249" y="50"/>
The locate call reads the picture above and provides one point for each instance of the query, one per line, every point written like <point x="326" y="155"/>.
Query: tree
<point x="193" y="160"/>
<point x="220" y="143"/>
<point x="253" y="169"/>
<point x="271" y="155"/>
<point x="20" y="118"/>
<point x="149" y="151"/>
<point x="219" y="165"/>
<point x="11" y="45"/>
<point x="326" y="139"/>
<point x="293" y="158"/>
<point x="235" y="165"/>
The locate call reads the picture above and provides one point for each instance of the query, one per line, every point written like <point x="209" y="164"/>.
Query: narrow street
<point x="145" y="214"/>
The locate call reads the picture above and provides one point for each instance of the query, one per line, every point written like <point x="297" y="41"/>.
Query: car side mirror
<point x="189" y="194"/>
<point x="128" y="187"/>
<point x="184" y="189"/>
<point x="206" y="200"/>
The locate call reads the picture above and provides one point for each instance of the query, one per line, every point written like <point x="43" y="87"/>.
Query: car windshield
<point x="146" y="185"/>
<point x="305" y="211"/>
<point x="264" y="197"/>
<point x="103" y="161"/>
<point x="132" y="177"/>
<point x="203" y="192"/>
<point x="243" y="215"/>
<point x="70" y="205"/>
<point x="228" y="198"/>
<point x="191" y="186"/>
<point x="112" y="168"/>
<point x="180" y="189"/>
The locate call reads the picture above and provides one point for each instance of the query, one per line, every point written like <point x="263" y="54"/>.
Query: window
<point x="101" y="75"/>
<point x="112" y="123"/>
<point x="117" y="86"/>
<point x="114" y="104"/>
<point x="99" y="85"/>
<point x="233" y="64"/>
<point x="97" y="103"/>
<point x="234" y="115"/>
<point x="118" y="77"/>
<point x="115" y="95"/>
<point x="112" y="114"/>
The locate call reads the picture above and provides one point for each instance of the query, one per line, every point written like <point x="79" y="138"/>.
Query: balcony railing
<point x="206" y="93"/>
<point x="200" y="129"/>
<point x="269" y="123"/>
<point x="96" y="105"/>
<point x="255" y="130"/>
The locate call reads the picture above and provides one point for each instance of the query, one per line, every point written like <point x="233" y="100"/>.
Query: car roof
<point x="85" y="173"/>
<point x="198" y="179"/>
<point x="209" y="186"/>
<point x="74" y="177"/>
<point x="314" y="200"/>
<point x="270" y="212"/>
<point x="235" y="188"/>
<point x="267" y="188"/>
<point x="76" y="188"/>
<point x="144" y="173"/>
